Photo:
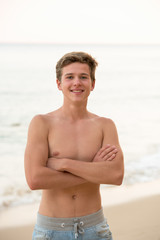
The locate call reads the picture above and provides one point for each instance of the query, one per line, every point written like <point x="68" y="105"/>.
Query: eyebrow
<point x="80" y="74"/>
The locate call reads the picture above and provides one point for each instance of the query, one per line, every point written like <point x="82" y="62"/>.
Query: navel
<point x="74" y="196"/>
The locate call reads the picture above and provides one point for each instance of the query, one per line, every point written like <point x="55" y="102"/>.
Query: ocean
<point x="127" y="91"/>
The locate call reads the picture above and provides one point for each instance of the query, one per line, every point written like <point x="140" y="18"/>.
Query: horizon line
<point x="76" y="43"/>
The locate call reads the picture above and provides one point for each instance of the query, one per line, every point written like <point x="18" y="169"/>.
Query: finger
<point x="111" y="157"/>
<point x="107" y="156"/>
<point x="56" y="153"/>
<point x="109" y="150"/>
<point x="103" y="149"/>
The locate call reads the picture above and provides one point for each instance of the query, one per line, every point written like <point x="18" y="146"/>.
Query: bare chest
<point x="75" y="141"/>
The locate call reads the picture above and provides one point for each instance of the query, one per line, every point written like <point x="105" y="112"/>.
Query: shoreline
<point x="133" y="212"/>
<point x="125" y="193"/>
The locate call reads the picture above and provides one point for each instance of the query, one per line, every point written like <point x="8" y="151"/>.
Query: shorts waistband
<point x="68" y="224"/>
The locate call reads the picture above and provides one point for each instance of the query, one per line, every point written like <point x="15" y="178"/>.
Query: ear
<point x="59" y="84"/>
<point x="93" y="85"/>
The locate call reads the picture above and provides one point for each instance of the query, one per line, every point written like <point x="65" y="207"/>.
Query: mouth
<point x="77" y="91"/>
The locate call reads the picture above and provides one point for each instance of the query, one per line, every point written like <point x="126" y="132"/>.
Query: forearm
<point x="67" y="180"/>
<point x="46" y="178"/>
<point x="106" y="167"/>
<point x="107" y="172"/>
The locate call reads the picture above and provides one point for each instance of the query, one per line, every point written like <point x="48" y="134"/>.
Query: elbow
<point x="33" y="183"/>
<point x="115" y="179"/>
<point x="119" y="178"/>
<point x="119" y="174"/>
<point x="116" y="176"/>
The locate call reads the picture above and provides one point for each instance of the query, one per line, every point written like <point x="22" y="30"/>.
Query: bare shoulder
<point x="103" y="122"/>
<point x="41" y="123"/>
<point x="107" y="122"/>
<point x="110" y="133"/>
<point x="43" y="120"/>
<point x="38" y="121"/>
<point x="108" y="127"/>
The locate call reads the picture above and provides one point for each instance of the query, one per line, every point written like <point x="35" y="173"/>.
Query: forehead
<point x="76" y="68"/>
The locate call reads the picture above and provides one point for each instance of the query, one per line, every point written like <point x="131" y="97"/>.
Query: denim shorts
<point x="89" y="227"/>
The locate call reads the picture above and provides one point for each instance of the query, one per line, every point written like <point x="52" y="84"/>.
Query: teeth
<point x="77" y="91"/>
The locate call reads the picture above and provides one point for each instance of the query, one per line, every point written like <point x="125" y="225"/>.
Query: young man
<point x="69" y="153"/>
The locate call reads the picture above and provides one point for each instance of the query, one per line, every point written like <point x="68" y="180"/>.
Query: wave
<point x="18" y="195"/>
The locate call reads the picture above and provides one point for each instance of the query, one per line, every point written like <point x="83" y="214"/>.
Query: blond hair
<point x="80" y="57"/>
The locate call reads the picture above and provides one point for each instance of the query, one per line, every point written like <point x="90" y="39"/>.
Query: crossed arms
<point x="43" y="173"/>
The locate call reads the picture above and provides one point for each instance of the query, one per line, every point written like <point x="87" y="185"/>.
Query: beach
<point x="127" y="91"/>
<point x="133" y="213"/>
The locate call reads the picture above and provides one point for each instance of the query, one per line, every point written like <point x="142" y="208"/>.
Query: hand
<point x="56" y="164"/>
<point x="107" y="153"/>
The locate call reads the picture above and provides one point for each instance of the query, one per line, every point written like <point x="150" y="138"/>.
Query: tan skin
<point x="71" y="151"/>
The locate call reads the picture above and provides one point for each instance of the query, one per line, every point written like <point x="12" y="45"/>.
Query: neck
<point x="74" y="111"/>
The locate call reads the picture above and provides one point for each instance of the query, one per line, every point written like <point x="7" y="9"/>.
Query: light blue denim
<point x="62" y="231"/>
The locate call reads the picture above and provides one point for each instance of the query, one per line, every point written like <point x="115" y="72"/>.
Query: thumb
<point x="54" y="154"/>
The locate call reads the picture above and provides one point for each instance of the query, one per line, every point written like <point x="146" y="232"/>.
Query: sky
<point x="80" y="21"/>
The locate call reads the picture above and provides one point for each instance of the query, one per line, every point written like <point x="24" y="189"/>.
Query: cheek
<point x="64" y="87"/>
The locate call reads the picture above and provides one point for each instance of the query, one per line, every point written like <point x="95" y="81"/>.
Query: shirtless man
<point x="69" y="153"/>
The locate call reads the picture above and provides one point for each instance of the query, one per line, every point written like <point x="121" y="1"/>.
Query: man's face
<point x="76" y="83"/>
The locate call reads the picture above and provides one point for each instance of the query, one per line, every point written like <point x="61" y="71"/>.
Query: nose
<point x="77" y="81"/>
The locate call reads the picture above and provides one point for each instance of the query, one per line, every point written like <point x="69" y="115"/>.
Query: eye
<point x="83" y="77"/>
<point x="69" y="77"/>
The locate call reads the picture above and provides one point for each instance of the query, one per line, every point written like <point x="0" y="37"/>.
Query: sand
<point x="133" y="213"/>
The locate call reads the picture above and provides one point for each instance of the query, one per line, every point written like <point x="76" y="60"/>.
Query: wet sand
<point x="133" y="213"/>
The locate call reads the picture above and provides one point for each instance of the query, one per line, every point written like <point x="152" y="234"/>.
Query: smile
<point x="77" y="91"/>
